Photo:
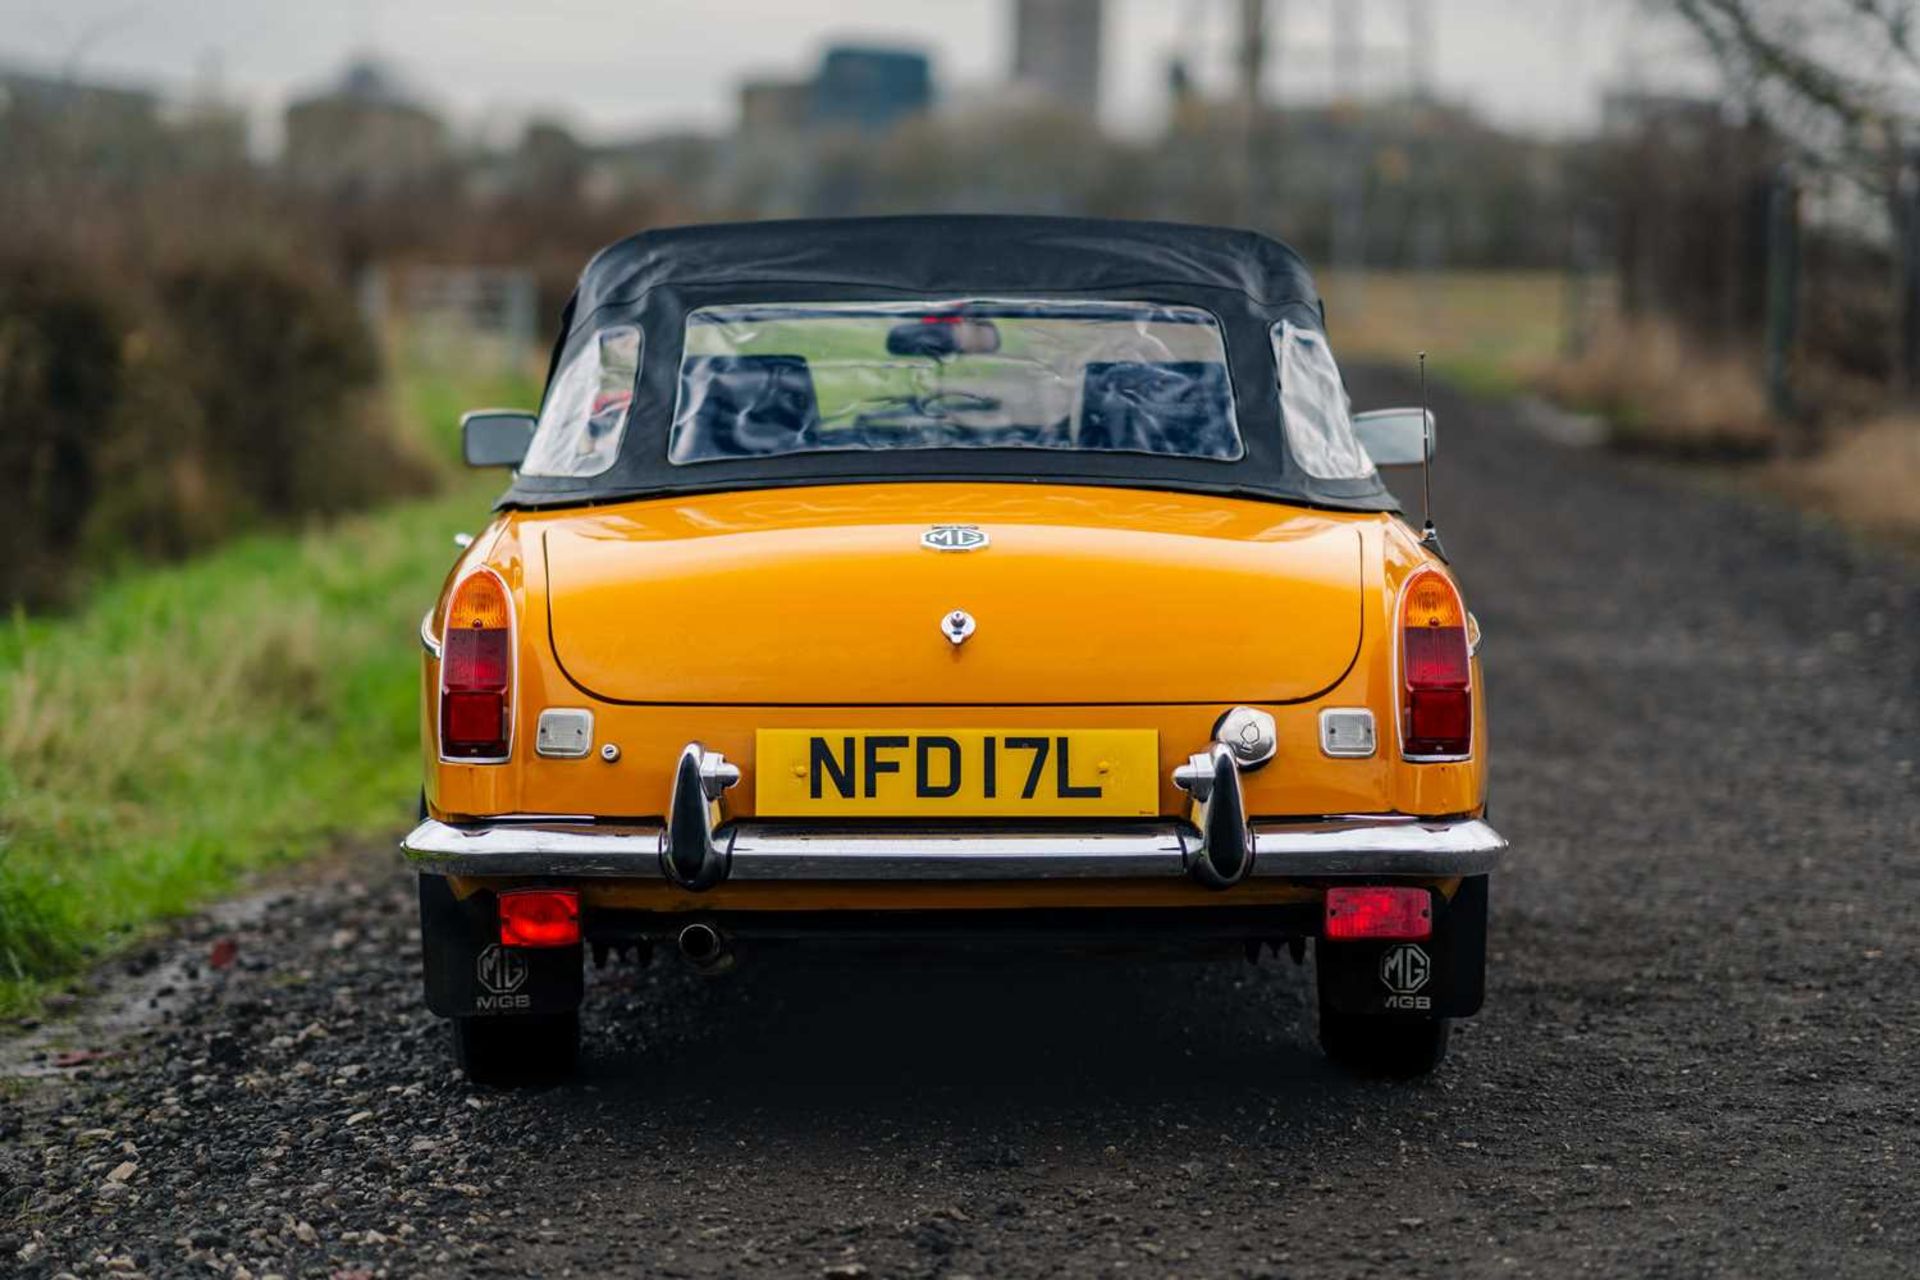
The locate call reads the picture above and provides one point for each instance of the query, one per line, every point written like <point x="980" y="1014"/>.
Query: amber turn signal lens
<point x="1432" y="602"/>
<point x="479" y="602"/>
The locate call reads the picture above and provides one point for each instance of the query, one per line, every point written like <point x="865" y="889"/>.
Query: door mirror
<point x="1397" y="437"/>
<point x="496" y="437"/>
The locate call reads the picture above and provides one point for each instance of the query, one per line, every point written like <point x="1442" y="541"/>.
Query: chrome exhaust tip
<point x="705" y="948"/>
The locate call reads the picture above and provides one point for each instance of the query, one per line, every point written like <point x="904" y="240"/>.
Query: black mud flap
<point x="469" y="973"/>
<point x="1443" y="977"/>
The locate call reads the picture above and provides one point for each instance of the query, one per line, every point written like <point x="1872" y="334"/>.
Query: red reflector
<point x="1439" y="722"/>
<point x="1379" y="911"/>
<point x="539" y="918"/>
<point x="475" y="723"/>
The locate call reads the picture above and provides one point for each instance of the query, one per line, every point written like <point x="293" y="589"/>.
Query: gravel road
<point x="1697" y="1058"/>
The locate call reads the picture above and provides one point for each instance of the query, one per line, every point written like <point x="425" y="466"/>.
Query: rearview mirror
<point x="940" y="336"/>
<point x="1398" y="437"/>
<point x="496" y="437"/>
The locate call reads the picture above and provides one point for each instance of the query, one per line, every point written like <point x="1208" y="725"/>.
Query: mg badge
<point x="501" y="971"/>
<point x="954" y="537"/>
<point x="957" y="626"/>
<point x="1405" y="969"/>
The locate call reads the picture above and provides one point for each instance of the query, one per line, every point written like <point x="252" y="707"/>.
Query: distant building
<point x="550" y="163"/>
<point x="117" y="129"/>
<point x="1628" y="111"/>
<point x="1056" y="50"/>
<point x="771" y="107"/>
<point x="110" y="126"/>
<point x="871" y="88"/>
<point x="678" y="166"/>
<point x="209" y="135"/>
<point x="26" y="93"/>
<point x="860" y="87"/>
<point x="366" y="134"/>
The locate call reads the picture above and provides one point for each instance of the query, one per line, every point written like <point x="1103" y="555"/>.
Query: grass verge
<point x="192" y="723"/>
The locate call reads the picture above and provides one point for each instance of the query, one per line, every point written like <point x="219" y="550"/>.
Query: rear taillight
<point x="539" y="918"/>
<point x="1437" y="716"/>
<point x="476" y="671"/>
<point x="1387" y="912"/>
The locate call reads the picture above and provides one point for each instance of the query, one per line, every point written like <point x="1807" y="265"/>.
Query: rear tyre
<point x="1383" y="1047"/>
<point x="533" y="1049"/>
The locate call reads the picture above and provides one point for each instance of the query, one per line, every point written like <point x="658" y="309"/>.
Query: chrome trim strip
<point x="508" y="848"/>
<point x="429" y="641"/>
<point x="1358" y="845"/>
<point x="1376" y="845"/>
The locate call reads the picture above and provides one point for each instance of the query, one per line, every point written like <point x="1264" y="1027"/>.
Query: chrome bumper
<point x="756" y="852"/>
<point x="697" y="848"/>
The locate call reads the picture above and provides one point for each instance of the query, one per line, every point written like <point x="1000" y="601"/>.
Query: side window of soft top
<point x="586" y="410"/>
<point x="1313" y="404"/>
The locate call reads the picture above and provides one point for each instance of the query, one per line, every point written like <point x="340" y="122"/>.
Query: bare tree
<point x="1840" y="78"/>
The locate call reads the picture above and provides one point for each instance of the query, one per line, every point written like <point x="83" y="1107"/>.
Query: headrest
<point x="741" y="406"/>
<point x="1172" y="406"/>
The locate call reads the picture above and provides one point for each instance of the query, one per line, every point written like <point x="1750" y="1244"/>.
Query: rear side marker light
<point x="564" y="733"/>
<point x="476" y="671"/>
<point x="539" y="918"/>
<point x="1379" y="912"/>
<point x="1346" y="733"/>
<point x="1436" y="670"/>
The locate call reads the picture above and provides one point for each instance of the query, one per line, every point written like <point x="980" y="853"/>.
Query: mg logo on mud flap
<point x="501" y="973"/>
<point x="1405" y="969"/>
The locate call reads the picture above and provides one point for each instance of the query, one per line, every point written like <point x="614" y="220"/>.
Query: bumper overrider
<point x="697" y="848"/>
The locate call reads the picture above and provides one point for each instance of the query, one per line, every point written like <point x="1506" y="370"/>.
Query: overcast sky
<point x="618" y="67"/>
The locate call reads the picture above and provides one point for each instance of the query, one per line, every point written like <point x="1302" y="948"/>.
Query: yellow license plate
<point x="957" y="773"/>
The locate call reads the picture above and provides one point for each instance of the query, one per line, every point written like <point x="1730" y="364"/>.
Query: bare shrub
<point x="1667" y="391"/>
<point x="1871" y="475"/>
<point x="151" y="410"/>
<point x="61" y="343"/>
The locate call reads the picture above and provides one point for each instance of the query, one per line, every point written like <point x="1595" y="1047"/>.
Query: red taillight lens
<point x="1437" y="715"/>
<point x="1380" y="912"/>
<point x="476" y="671"/>
<point x="539" y="918"/>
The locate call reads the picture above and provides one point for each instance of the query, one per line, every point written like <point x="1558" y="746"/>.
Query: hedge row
<point x="148" y="414"/>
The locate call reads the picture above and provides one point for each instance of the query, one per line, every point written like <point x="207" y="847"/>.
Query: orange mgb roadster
<point x="921" y="585"/>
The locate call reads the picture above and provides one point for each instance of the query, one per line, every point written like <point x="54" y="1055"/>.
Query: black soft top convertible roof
<point x="654" y="279"/>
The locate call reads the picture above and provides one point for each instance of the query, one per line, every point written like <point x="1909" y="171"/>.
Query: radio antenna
<point x="1429" y="536"/>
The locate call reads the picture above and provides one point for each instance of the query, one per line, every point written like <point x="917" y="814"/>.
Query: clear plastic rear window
<point x="1109" y="377"/>
<point x="586" y="410"/>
